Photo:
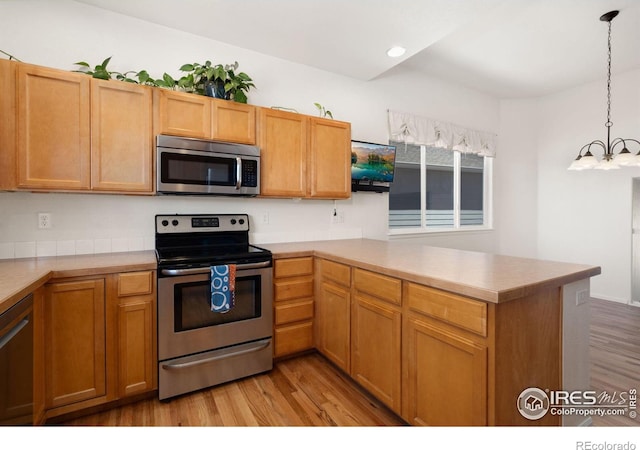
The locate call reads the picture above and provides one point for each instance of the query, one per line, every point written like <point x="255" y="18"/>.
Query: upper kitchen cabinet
<point x="7" y="124"/>
<point x="78" y="133"/>
<point x="282" y="138"/>
<point x="121" y="137"/>
<point x="196" y="116"/>
<point x="329" y="159"/>
<point x="303" y="156"/>
<point x="53" y="129"/>
<point x="233" y="121"/>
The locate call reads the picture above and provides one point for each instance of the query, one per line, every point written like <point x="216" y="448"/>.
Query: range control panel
<point x="201" y="223"/>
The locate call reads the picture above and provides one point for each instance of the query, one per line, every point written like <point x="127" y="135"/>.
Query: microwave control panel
<point x="249" y="172"/>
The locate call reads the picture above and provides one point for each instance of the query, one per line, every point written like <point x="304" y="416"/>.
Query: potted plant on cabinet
<point x="217" y="81"/>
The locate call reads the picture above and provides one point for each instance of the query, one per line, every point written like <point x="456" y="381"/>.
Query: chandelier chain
<point x="609" y="124"/>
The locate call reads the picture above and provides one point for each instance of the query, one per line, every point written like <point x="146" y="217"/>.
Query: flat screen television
<point x="372" y="166"/>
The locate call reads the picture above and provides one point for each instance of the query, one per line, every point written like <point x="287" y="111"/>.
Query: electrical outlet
<point x="44" y="221"/>
<point x="337" y="217"/>
<point x="582" y="297"/>
<point x="265" y="217"/>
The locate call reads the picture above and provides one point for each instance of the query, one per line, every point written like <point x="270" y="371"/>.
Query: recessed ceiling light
<point x="396" y="51"/>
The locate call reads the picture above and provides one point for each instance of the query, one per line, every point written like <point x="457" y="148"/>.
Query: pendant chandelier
<point x="609" y="159"/>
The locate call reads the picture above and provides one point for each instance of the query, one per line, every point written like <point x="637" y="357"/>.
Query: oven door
<point x="183" y="171"/>
<point x="186" y="324"/>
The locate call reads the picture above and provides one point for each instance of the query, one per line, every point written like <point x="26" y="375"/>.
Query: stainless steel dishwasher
<point x="16" y="364"/>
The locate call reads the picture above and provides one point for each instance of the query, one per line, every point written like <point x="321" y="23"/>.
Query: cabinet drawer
<point x="287" y="289"/>
<point x="293" y="338"/>
<point x="293" y="311"/>
<point x="135" y="283"/>
<point x="339" y="273"/>
<point x="293" y="267"/>
<point x="454" y="309"/>
<point x="379" y="286"/>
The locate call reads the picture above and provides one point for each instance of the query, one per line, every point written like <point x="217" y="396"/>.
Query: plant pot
<point x="216" y="89"/>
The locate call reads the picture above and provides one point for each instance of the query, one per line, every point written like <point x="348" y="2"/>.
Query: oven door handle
<point x="261" y="346"/>
<point x="200" y="270"/>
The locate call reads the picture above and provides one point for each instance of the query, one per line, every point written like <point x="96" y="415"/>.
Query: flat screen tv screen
<point x="372" y="162"/>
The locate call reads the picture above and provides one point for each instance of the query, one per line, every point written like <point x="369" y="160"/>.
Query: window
<point x="438" y="189"/>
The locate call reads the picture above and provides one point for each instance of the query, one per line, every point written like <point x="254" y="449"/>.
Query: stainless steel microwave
<point x="201" y="167"/>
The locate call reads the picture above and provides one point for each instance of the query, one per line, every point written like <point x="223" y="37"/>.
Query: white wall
<point x="57" y="34"/>
<point x="516" y="179"/>
<point x="586" y="216"/>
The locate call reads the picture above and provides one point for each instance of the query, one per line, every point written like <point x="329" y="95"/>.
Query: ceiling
<point x="507" y="48"/>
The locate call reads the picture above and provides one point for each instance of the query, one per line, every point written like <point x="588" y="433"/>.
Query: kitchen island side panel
<point x="528" y="354"/>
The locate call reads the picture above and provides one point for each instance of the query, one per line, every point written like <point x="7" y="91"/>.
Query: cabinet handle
<point x="11" y="334"/>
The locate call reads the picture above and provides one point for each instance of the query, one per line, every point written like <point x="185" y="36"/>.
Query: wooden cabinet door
<point x="233" y="122"/>
<point x="282" y="140"/>
<point x="75" y="342"/>
<point x="7" y="124"/>
<point x="53" y="129"/>
<point x="182" y="114"/>
<point x="135" y="347"/>
<point x="334" y="324"/>
<point x="446" y="377"/>
<point x="375" y="344"/>
<point x="121" y="137"/>
<point x="137" y="358"/>
<point x="329" y="159"/>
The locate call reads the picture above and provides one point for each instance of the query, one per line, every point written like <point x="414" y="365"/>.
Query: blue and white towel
<point x="223" y="288"/>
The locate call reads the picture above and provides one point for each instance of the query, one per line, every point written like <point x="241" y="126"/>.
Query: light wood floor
<point x="615" y="353"/>
<point x="302" y="391"/>
<point x="309" y="391"/>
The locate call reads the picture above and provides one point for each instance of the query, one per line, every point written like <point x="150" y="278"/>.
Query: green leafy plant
<point x="142" y="77"/>
<point x="322" y="111"/>
<point x="204" y="79"/>
<point x="216" y="81"/>
<point x="99" y="71"/>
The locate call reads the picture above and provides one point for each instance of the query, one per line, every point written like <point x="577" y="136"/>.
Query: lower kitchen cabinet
<point x="333" y="305"/>
<point x="75" y="342"/>
<point x="446" y="374"/>
<point x="445" y="349"/>
<point x="99" y="340"/>
<point x="293" y="306"/>
<point x="136" y="332"/>
<point x="376" y="332"/>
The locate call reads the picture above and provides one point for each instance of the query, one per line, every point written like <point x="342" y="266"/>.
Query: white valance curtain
<point x="418" y="130"/>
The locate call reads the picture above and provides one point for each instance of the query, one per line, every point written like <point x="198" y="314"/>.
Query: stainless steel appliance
<point x="16" y="364"/>
<point x="198" y="347"/>
<point x="195" y="166"/>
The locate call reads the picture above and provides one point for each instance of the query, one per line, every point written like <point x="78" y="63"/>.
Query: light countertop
<point x="19" y="277"/>
<point x="485" y="276"/>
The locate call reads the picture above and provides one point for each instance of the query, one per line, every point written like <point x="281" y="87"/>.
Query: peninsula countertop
<point x="19" y="277"/>
<point x="484" y="276"/>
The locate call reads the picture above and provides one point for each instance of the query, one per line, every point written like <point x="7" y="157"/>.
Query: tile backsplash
<point x="31" y="249"/>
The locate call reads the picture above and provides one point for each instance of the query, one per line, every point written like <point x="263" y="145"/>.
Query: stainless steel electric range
<point x="199" y="346"/>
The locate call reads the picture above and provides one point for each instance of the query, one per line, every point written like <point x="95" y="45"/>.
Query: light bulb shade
<point x="607" y="164"/>
<point x="626" y="158"/>
<point x="587" y="162"/>
<point x="575" y="165"/>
